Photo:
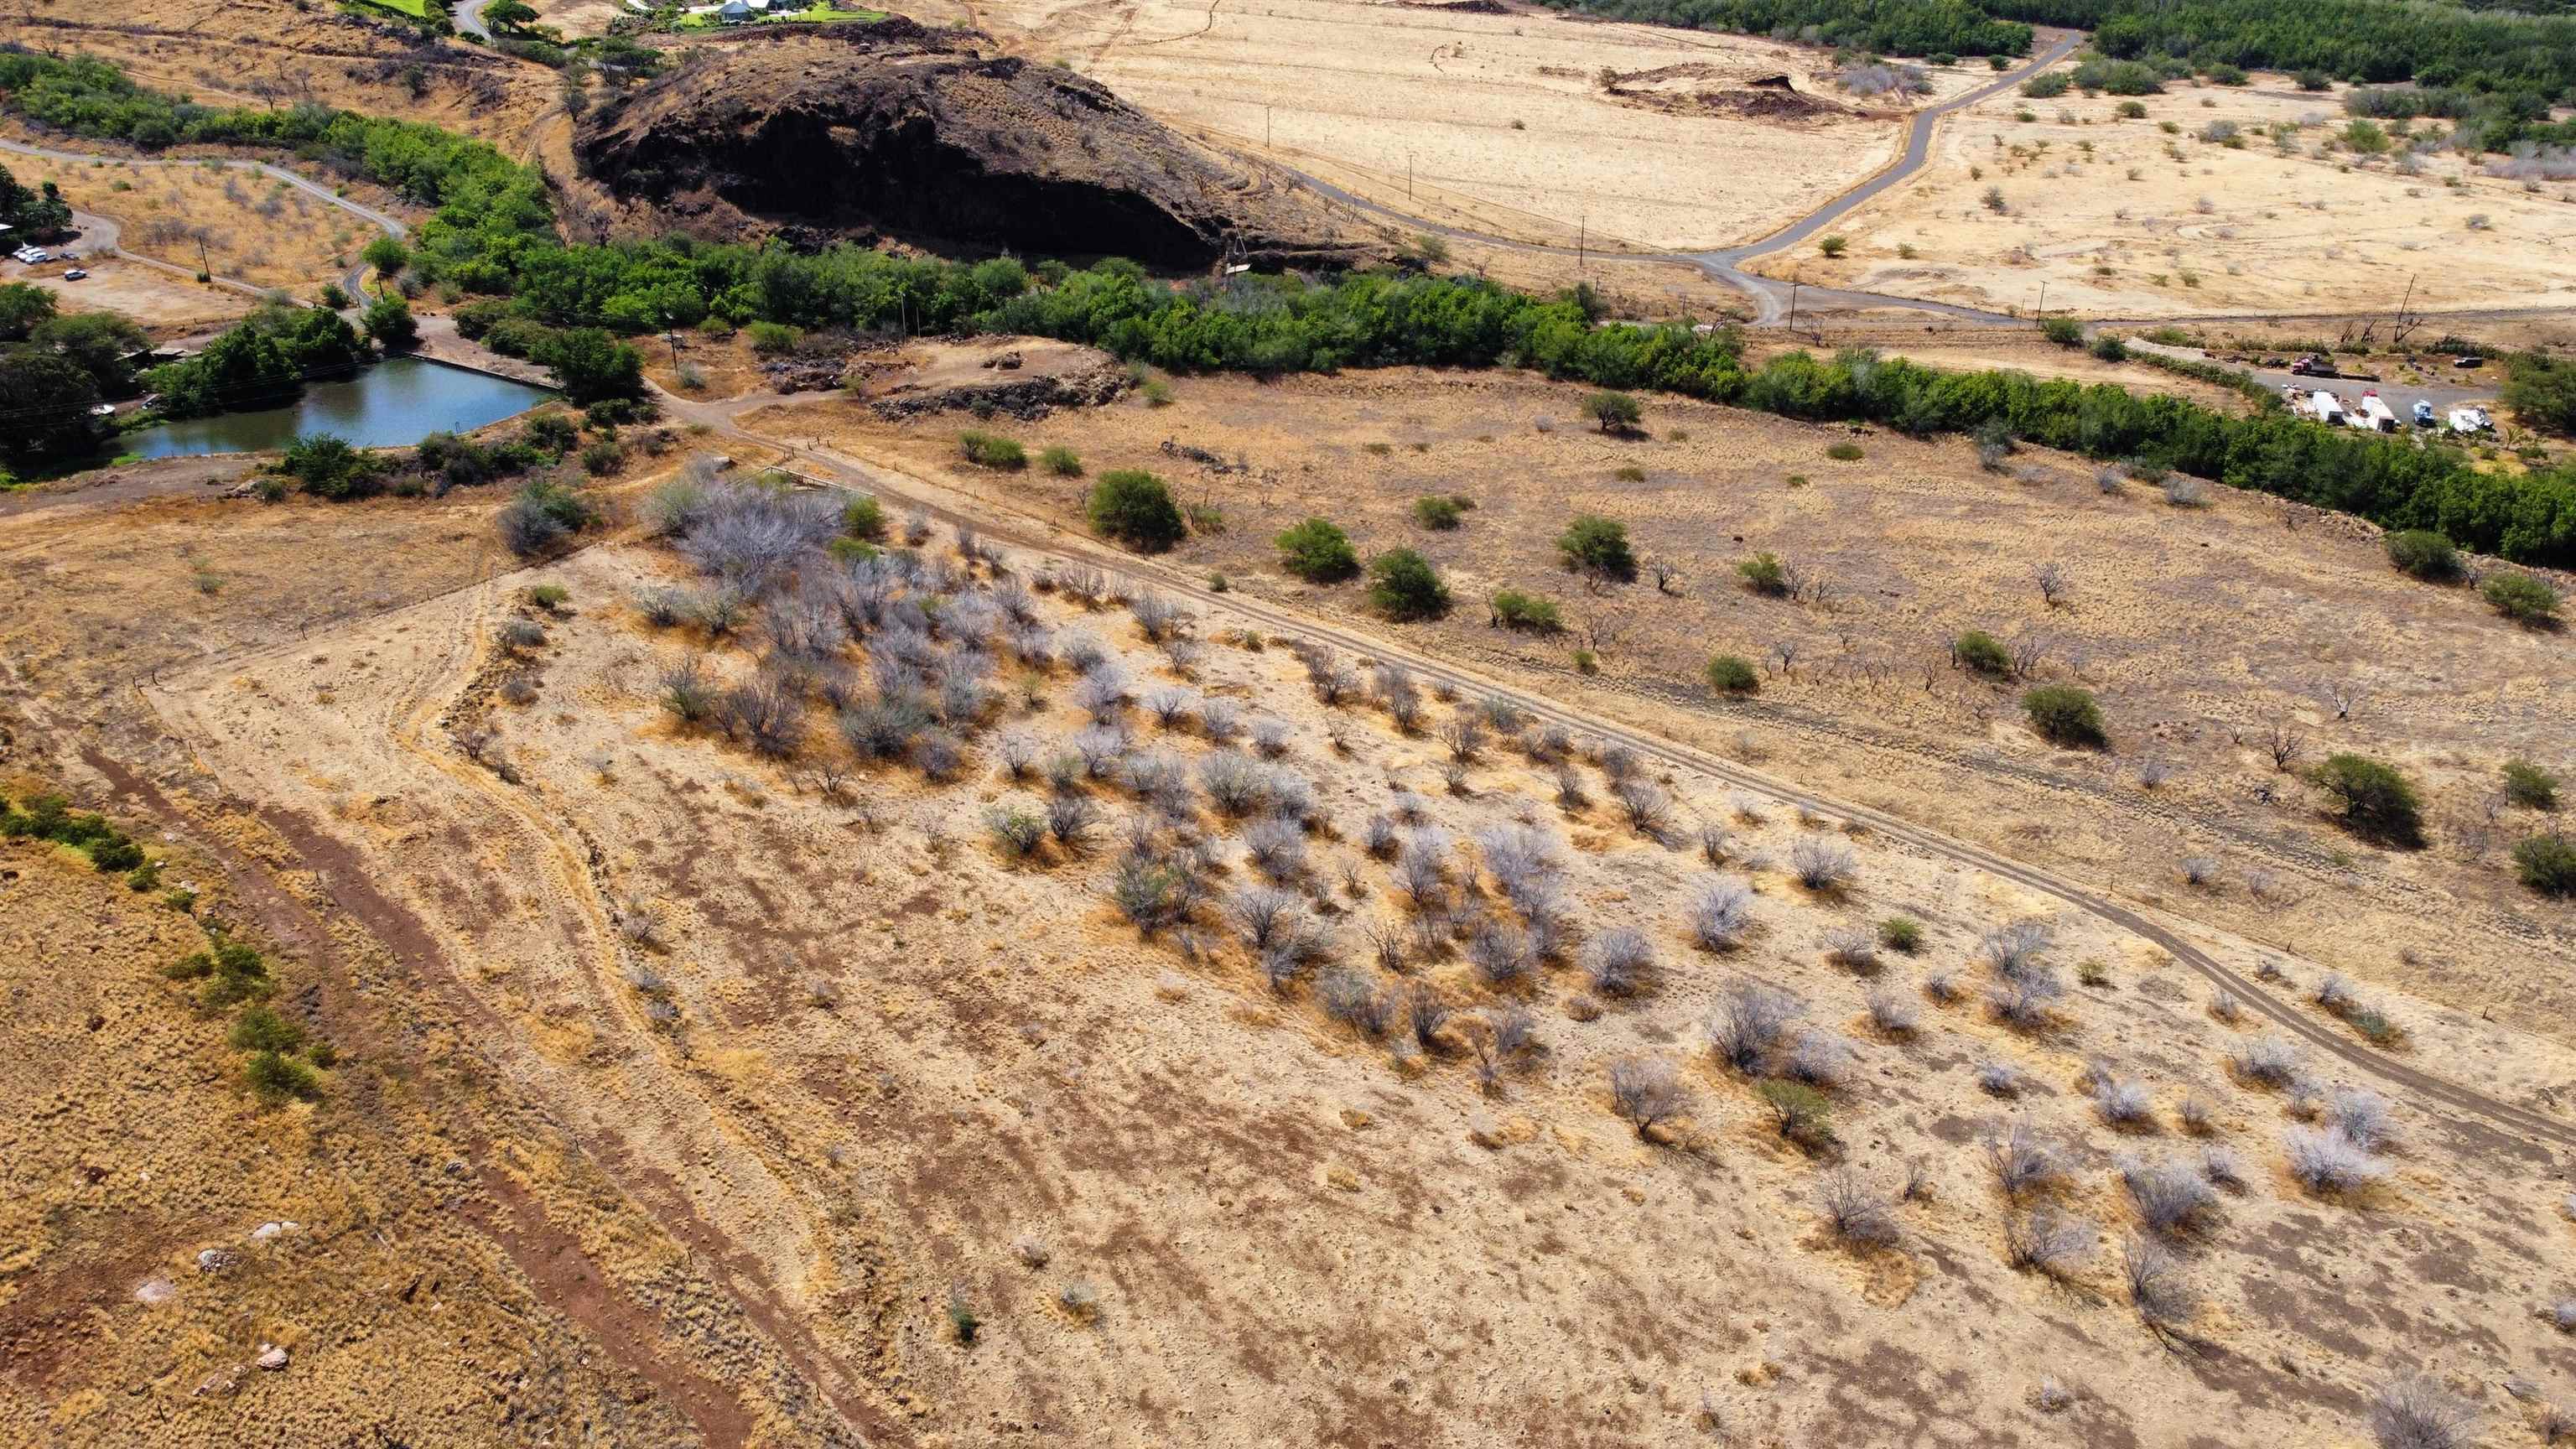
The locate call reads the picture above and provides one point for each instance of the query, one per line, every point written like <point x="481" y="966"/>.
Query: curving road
<point x="393" y="226"/>
<point x="1771" y="298"/>
<point x="2438" y="1095"/>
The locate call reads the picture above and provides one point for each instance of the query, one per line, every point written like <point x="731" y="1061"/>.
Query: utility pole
<point x="1582" y="241"/>
<point x="1408" y="176"/>
<point x="1793" y="304"/>
<point x="205" y="268"/>
<point x="2043" y="300"/>
<point x="1265" y="128"/>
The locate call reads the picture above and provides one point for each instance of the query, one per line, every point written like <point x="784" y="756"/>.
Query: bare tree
<point x="2415" y="1412"/>
<point x="1647" y="1092"/>
<point x="2286" y="745"/>
<point x="2157" y="1289"/>
<point x="1667" y="576"/>
<point x="1857" y="1215"/>
<point x="2345" y="695"/>
<point x="2054" y="584"/>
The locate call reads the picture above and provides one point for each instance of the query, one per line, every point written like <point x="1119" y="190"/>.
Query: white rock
<point x="155" y="1291"/>
<point x="272" y="1358"/>
<point x="265" y="1231"/>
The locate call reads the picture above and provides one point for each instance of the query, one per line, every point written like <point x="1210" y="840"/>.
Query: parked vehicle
<point x="2325" y="407"/>
<point x="2470" y="360"/>
<point x="2374" y="414"/>
<point x="2423" y="413"/>
<point x="76" y="275"/>
<point x="2470" y="420"/>
<point x="2313" y="365"/>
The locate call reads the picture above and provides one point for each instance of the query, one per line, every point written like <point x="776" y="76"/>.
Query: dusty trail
<point x="2439" y="1095"/>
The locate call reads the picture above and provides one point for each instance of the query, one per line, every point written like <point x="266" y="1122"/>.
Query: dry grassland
<point x="161" y="303"/>
<point x="812" y="1076"/>
<point x="2199" y="628"/>
<point x="1501" y="117"/>
<point x="2151" y="223"/>
<point x="255" y="229"/>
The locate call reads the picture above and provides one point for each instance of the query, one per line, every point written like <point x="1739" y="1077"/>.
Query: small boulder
<point x="271" y="1357"/>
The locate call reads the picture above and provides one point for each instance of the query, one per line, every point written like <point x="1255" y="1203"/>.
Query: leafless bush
<point x="2336" y="994"/>
<point x="1425" y="1013"/>
<point x="2015" y="948"/>
<point x="1858" y="1216"/>
<point x="752" y="537"/>
<point x="2122" y="1103"/>
<point x="2026" y="1001"/>
<point x="1101" y="749"/>
<point x="1351" y="997"/>
<point x="2048" y="1242"/>
<point x="2361" y="1115"/>
<point x="938" y="755"/>
<point x="1720" y="909"/>
<point x="1523" y="862"/>
<point x="2415" y="1412"/>
<point x="1169" y="707"/>
<point x="765" y="713"/>
<point x="1854" y="949"/>
<point x="2170" y="1198"/>
<point x="1082" y="583"/>
<point x="1378" y="836"/>
<point x="2562" y="1315"/>
<point x="1270" y="737"/>
<point x="2226" y="1007"/>
<point x="2022" y="1160"/>
<point x="2219" y="1168"/>
<point x="1071" y="819"/>
<point x="1157" y="618"/>
<point x="1570" y="794"/>
<point x="2193" y="1113"/>
<point x="1618" y="762"/>
<point x="2328" y="1163"/>
<point x="2199" y="870"/>
<point x="1647" y="806"/>
<point x="1278" y="848"/>
<point x="1620" y="962"/>
<point x="1821" y="864"/>
<point x="1500" y="953"/>
<point x="1647" y="1092"/>
<point x="1264" y="915"/>
<point x="1749" y="1022"/>
<point x="1891" y="1013"/>
<point x="2157" y="1289"/>
<point x="1220" y="720"/>
<point x="1235" y="785"/>
<point x="2531" y="161"/>
<point x="1463" y="736"/>
<point x="1421" y="871"/>
<point x="1019" y="832"/>
<point x="2268" y="1060"/>
<point x="1715" y="844"/>
<point x="1817" y="1057"/>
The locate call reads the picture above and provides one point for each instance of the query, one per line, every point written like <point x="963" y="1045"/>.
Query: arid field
<point x="809" y="903"/>
<point x="2158" y="216"/>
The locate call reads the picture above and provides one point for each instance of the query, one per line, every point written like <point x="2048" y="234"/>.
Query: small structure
<point x="734" y="12"/>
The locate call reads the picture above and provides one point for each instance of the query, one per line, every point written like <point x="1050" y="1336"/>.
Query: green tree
<point x="242" y="368"/>
<point x="2422" y="554"/>
<point x="2530" y="786"/>
<point x="1983" y="652"/>
<point x="1733" y="674"/>
<point x="2377" y="802"/>
<point x="1317" y="551"/>
<point x="387" y="256"/>
<point x="2542" y="392"/>
<point x="1404" y="585"/>
<point x="2547" y="864"/>
<point x="1135" y="508"/>
<point x="328" y="467"/>
<point x="2065" y="715"/>
<point x="23" y="307"/>
<point x="101" y="344"/>
<point x="1598" y="546"/>
<point x="1833" y="246"/>
<point x="390" y="326"/>
<point x="2064" y="331"/>
<point x="2520" y="597"/>
<point x="319" y="340"/>
<point x="1534" y="613"/>
<point x="590" y="364"/>
<point x="509" y="12"/>
<point x="1612" y="410"/>
<point x="47" y="400"/>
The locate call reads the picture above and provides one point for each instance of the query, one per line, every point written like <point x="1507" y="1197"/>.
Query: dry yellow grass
<point x="2155" y="223"/>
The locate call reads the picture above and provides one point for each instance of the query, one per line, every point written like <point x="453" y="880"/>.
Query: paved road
<point x="393" y="226"/>
<point x="469" y="18"/>
<point x="1771" y="298"/>
<point x="2437" y="1095"/>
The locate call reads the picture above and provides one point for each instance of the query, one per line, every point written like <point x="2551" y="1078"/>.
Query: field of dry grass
<point x="2152" y="217"/>
<point x="254" y="229"/>
<point x="1499" y="121"/>
<point x="2200" y="629"/>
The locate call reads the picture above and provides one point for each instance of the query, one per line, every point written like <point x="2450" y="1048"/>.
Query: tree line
<point x="2512" y="52"/>
<point x="568" y="305"/>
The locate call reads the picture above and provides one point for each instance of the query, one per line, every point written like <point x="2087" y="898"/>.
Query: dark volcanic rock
<point x="912" y="131"/>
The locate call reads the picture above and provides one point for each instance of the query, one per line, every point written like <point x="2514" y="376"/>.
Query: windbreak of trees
<point x="1892" y="27"/>
<point x="569" y="307"/>
<point x="2489" y="49"/>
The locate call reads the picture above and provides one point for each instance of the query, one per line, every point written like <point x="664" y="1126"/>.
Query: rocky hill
<point x="922" y="134"/>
